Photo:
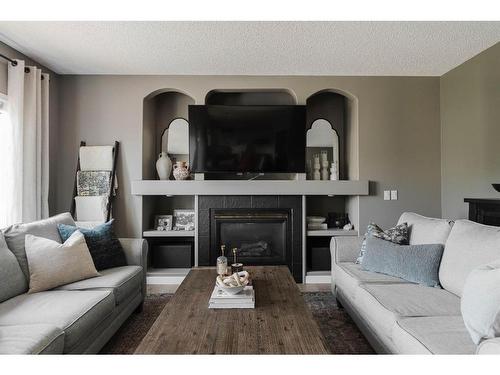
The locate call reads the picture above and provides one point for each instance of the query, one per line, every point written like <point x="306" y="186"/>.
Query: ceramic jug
<point x="181" y="171"/>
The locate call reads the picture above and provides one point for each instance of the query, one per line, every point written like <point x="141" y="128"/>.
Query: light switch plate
<point x="394" y="195"/>
<point x="387" y="195"/>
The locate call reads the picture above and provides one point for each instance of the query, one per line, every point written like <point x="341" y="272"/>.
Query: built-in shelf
<point x="256" y="187"/>
<point x="332" y="233"/>
<point x="168" y="233"/>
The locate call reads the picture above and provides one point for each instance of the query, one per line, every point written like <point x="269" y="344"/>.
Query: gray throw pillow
<point x="12" y="280"/>
<point x="46" y="228"/>
<point x="415" y="263"/>
<point x="399" y="235"/>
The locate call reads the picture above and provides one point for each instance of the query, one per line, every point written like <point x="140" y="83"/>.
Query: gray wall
<point x="53" y="113"/>
<point x="399" y="133"/>
<point x="470" y="115"/>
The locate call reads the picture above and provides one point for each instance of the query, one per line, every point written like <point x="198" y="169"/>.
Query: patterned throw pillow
<point x="105" y="249"/>
<point x="399" y="235"/>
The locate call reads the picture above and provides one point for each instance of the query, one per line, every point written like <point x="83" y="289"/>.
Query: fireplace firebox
<point x="265" y="230"/>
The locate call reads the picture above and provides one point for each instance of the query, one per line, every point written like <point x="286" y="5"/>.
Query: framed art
<point x="163" y="222"/>
<point x="183" y="219"/>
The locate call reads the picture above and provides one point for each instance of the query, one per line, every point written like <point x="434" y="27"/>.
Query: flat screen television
<point x="247" y="139"/>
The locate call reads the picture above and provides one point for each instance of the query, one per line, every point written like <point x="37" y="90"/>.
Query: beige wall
<point x="53" y="113"/>
<point x="399" y="133"/>
<point x="470" y="123"/>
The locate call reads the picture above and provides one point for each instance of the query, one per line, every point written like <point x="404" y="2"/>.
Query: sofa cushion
<point x="426" y="230"/>
<point x="47" y="228"/>
<point x="382" y="305"/>
<point x="52" y="264"/>
<point x="415" y="263"/>
<point x="105" y="248"/>
<point x="12" y="279"/>
<point x="469" y="246"/>
<point x="349" y="276"/>
<point x="481" y="302"/>
<point x="31" y="339"/>
<point x="77" y="313"/>
<point x="122" y="281"/>
<point x="432" y="335"/>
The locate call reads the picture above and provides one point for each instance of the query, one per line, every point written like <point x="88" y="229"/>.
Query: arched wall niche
<point x="160" y="108"/>
<point x="340" y="109"/>
<point x="251" y="97"/>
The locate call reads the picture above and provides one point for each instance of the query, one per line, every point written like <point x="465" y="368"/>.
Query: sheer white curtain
<point x="26" y="176"/>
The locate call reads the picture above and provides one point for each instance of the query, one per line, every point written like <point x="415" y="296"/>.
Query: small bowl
<point x="315" y="219"/>
<point x="231" y="290"/>
<point x="496" y="187"/>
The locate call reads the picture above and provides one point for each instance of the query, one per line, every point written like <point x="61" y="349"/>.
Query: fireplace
<point x="262" y="236"/>
<point x="266" y="230"/>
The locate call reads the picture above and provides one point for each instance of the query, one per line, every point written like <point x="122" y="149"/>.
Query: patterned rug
<point x="340" y="332"/>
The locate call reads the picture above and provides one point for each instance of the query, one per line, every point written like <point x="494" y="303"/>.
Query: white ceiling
<point x="251" y="48"/>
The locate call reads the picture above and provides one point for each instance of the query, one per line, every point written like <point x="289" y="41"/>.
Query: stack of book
<point x="314" y="226"/>
<point x="243" y="300"/>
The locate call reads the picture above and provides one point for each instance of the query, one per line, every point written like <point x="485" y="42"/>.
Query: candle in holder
<point x="236" y="267"/>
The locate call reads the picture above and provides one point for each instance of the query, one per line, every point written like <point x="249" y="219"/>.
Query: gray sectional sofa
<point x="397" y="316"/>
<point x="75" y="318"/>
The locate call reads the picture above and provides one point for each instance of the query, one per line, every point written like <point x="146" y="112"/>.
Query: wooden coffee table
<point x="281" y="323"/>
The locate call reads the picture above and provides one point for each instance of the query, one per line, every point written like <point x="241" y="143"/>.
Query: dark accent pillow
<point x="400" y="235"/>
<point x="415" y="263"/>
<point x="105" y="249"/>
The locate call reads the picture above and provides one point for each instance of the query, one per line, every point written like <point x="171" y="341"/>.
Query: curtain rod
<point x="13" y="62"/>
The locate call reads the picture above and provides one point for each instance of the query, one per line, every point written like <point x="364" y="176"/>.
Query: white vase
<point x="163" y="166"/>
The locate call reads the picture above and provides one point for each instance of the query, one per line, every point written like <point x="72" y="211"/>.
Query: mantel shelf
<point x="255" y="187"/>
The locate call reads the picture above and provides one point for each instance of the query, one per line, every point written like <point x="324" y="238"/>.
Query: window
<point x="6" y="164"/>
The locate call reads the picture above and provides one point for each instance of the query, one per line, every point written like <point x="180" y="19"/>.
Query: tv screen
<point x="250" y="139"/>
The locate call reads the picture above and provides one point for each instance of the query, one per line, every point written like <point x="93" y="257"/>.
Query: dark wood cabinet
<point x="484" y="211"/>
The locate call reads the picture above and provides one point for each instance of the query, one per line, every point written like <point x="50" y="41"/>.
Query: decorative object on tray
<point x="222" y="262"/>
<point x="163" y="166"/>
<point x="233" y="292"/>
<point x="236" y="267"/>
<point x="181" y="171"/>
<point x="163" y="222"/>
<point x="184" y="220"/>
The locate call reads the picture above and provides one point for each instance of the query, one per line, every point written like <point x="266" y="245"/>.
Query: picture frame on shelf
<point x="163" y="222"/>
<point x="184" y="220"/>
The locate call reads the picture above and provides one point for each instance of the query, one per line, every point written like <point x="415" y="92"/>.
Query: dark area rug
<point x="341" y="334"/>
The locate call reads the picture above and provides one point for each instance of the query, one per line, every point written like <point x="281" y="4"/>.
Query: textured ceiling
<point x="251" y="48"/>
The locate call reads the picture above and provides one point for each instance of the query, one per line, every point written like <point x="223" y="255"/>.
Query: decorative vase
<point x="163" y="166"/>
<point x="181" y="171"/>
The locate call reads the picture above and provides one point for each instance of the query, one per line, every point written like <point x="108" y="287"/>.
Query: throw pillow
<point x="480" y="303"/>
<point x="52" y="264"/>
<point x="105" y="249"/>
<point x="399" y="235"/>
<point x="12" y="279"/>
<point x="415" y="263"/>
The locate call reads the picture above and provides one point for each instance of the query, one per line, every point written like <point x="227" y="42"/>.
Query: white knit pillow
<point x="480" y="302"/>
<point x="52" y="264"/>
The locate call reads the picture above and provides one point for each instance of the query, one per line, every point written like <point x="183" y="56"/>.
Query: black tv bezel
<point x="240" y="172"/>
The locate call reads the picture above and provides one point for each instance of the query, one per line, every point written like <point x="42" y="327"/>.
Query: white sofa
<point x="400" y="317"/>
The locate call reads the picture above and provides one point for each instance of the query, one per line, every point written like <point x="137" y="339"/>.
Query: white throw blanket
<point x="91" y="208"/>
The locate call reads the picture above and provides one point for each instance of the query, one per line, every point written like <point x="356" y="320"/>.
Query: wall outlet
<point x="387" y="195"/>
<point x="394" y="195"/>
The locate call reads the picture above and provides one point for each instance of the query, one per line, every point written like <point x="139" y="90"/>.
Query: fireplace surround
<point x="267" y="230"/>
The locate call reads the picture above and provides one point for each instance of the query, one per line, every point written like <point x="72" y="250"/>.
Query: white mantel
<point x="255" y="187"/>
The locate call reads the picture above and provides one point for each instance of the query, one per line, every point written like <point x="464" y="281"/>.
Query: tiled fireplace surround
<point x="289" y="206"/>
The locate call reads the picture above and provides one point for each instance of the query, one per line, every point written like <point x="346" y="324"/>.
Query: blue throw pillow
<point x="415" y="263"/>
<point x="105" y="249"/>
